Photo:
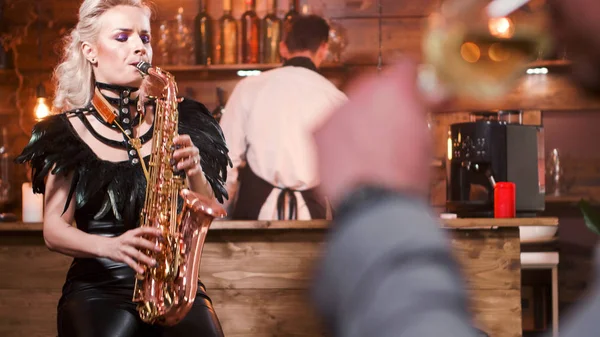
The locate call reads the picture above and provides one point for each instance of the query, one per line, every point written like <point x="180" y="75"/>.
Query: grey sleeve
<point x="387" y="271"/>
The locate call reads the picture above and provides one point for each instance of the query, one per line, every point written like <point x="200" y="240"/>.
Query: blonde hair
<point x="73" y="77"/>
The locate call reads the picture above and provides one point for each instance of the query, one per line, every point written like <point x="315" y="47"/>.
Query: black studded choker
<point x="122" y="103"/>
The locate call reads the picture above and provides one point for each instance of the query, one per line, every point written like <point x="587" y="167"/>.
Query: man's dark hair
<point x="306" y="32"/>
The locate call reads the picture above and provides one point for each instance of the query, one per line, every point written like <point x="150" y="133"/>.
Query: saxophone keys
<point x="136" y="143"/>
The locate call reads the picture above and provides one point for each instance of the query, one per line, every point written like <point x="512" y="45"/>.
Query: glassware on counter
<point x="555" y="173"/>
<point x="511" y="116"/>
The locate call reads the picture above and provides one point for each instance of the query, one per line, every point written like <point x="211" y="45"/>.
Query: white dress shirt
<point x="268" y="123"/>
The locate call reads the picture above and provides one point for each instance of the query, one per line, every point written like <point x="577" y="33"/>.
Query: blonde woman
<point x="92" y="176"/>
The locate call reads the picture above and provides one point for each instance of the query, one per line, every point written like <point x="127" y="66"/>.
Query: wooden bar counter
<point x="258" y="273"/>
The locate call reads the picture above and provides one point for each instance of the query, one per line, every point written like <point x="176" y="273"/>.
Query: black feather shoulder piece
<point x="196" y="121"/>
<point x="101" y="188"/>
<point x="52" y="148"/>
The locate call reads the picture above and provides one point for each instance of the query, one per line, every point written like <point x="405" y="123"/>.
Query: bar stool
<point x="545" y="260"/>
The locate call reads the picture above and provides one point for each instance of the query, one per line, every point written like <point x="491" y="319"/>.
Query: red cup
<point x="504" y="200"/>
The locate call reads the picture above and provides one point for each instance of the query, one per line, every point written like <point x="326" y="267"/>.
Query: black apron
<point x="254" y="191"/>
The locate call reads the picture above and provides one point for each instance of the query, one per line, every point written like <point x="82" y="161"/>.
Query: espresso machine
<point x="486" y="151"/>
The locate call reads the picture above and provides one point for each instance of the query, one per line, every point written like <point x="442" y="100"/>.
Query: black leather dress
<point x="97" y="295"/>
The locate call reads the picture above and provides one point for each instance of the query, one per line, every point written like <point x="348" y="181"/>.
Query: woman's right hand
<point x="126" y="247"/>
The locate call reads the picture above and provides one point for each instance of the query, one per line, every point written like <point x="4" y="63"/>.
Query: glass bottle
<point x="163" y="48"/>
<point x="217" y="113"/>
<point x="183" y="48"/>
<point x="5" y="175"/>
<point x="290" y="15"/>
<point x="203" y="35"/>
<point x="271" y="34"/>
<point x="228" y="36"/>
<point x="250" y="34"/>
<point x="6" y="59"/>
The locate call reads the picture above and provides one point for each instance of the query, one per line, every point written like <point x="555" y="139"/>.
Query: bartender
<point x="268" y="127"/>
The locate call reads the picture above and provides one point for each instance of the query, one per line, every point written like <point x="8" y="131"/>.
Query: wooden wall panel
<point x="401" y="31"/>
<point x="553" y="91"/>
<point x="63" y="11"/>
<point x="399" y="37"/>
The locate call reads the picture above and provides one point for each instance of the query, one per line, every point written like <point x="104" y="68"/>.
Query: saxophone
<point x="166" y="292"/>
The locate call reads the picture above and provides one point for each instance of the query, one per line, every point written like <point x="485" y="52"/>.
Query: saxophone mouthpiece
<point x="143" y="67"/>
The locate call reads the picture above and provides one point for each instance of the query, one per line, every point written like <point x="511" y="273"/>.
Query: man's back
<point x="269" y="120"/>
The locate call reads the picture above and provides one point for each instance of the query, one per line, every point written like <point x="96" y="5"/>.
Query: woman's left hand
<point x="186" y="156"/>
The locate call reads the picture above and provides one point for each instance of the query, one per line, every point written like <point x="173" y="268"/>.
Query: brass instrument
<point x="166" y="292"/>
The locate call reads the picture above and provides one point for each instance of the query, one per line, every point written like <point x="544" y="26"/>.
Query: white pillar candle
<point x="33" y="204"/>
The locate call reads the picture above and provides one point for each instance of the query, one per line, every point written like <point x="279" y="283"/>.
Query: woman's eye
<point x="122" y="37"/>
<point x="145" y="38"/>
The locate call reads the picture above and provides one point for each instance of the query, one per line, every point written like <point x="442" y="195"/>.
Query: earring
<point x="93" y="60"/>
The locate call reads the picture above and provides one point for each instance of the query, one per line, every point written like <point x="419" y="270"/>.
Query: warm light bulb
<point x="501" y="27"/>
<point x="41" y="108"/>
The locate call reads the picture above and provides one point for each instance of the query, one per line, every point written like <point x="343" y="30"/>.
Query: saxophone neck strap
<point x="103" y="107"/>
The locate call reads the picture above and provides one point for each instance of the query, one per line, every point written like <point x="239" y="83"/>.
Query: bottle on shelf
<point x="203" y="35"/>
<point x="271" y="34"/>
<point x="163" y="47"/>
<point x="250" y="34"/>
<point x="183" y="48"/>
<point x="227" y="48"/>
<point x="290" y="15"/>
<point x="6" y="188"/>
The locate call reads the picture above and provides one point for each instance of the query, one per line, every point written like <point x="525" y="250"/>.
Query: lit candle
<point x="33" y="204"/>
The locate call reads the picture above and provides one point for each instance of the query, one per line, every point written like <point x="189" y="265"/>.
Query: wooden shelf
<point x="565" y="199"/>
<point x="238" y="67"/>
<point x="550" y="63"/>
<point x="198" y="68"/>
<point x="267" y="66"/>
<point x="540" y="241"/>
<point x="469" y="223"/>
